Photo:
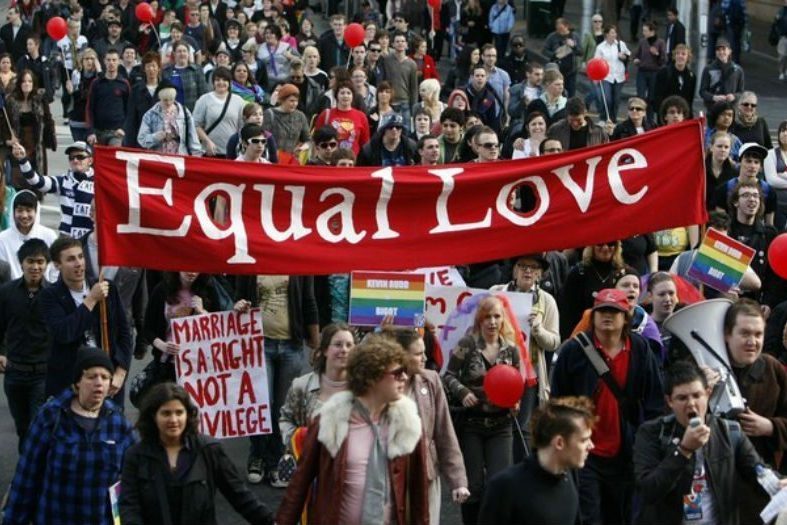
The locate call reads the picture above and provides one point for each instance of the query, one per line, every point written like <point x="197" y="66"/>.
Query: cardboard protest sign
<point x="442" y="276"/>
<point x="221" y="365"/>
<point x="451" y="310"/>
<point x="375" y="295"/>
<point x="720" y="261"/>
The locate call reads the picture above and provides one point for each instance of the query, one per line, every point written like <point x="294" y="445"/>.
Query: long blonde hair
<point x="617" y="257"/>
<point x="486" y="305"/>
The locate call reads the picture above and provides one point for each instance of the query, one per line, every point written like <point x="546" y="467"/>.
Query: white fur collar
<point x="404" y="424"/>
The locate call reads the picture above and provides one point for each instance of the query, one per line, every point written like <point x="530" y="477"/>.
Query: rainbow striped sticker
<point x="720" y="261"/>
<point x="375" y="295"/>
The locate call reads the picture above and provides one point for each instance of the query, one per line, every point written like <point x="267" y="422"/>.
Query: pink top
<point x="359" y="445"/>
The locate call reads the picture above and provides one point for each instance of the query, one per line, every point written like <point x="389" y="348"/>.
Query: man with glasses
<point x="496" y="77"/>
<point x="577" y="130"/>
<point x="325" y="143"/>
<point x="515" y="63"/>
<point x="388" y="147"/>
<point x="374" y="66"/>
<point x="74" y="187"/>
<point x="752" y="156"/>
<point x="486" y="145"/>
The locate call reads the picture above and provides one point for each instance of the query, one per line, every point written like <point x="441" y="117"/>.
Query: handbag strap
<point x="223" y="112"/>
<point x="600" y="366"/>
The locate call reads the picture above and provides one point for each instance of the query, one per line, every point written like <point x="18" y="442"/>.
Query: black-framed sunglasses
<point x="490" y="145"/>
<point x="258" y="141"/>
<point x="399" y="374"/>
<point x="636" y="108"/>
<point x="375" y="49"/>
<point x="331" y="144"/>
<point x="749" y="104"/>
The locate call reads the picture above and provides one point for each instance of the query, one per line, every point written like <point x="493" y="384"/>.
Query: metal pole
<point x="685" y="16"/>
<point x="702" y="32"/>
<point x="587" y="14"/>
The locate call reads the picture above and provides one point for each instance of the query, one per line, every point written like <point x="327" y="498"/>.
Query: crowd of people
<point x="618" y="427"/>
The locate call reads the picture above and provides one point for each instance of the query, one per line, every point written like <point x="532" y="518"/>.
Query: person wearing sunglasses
<point x="364" y="460"/>
<point x="324" y="143"/>
<point x="515" y="62"/>
<point x="485" y="435"/>
<point x="486" y="145"/>
<point x="389" y="147"/>
<point x="748" y="125"/>
<point x="636" y="123"/>
<point x="255" y="142"/>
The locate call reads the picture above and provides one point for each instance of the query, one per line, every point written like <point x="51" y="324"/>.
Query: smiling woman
<point x="171" y="476"/>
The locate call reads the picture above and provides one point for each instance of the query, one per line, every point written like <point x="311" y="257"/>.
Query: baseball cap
<point x="394" y="121"/>
<point x="79" y="146"/>
<point x="722" y="42"/>
<point x="611" y="298"/>
<point x="752" y="149"/>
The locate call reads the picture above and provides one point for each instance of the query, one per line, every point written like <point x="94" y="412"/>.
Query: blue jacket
<point x="573" y="375"/>
<point x="107" y="102"/>
<point x="501" y="21"/>
<point x="64" y="473"/>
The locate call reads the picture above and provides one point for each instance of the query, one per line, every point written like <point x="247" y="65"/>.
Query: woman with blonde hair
<point x="311" y="61"/>
<point x="429" y="91"/>
<point x="88" y="68"/>
<point x="485" y="436"/>
<point x="601" y="266"/>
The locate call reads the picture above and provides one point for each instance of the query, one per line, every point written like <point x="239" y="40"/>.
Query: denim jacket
<point x="153" y="122"/>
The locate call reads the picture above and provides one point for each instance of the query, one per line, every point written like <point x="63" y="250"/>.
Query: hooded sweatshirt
<point x="12" y="239"/>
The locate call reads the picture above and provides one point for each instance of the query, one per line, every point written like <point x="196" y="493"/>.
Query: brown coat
<point x="764" y="385"/>
<point x="324" y="460"/>
<point x="443" y="453"/>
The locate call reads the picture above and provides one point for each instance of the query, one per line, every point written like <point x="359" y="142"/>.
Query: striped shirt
<point x="76" y="197"/>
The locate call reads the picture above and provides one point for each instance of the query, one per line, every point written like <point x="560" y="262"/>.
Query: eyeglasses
<point x="261" y="142"/>
<point x="749" y="104"/>
<point x="77" y="157"/>
<point x="375" y="49"/>
<point x="636" y="108"/>
<point x="399" y="374"/>
<point x="395" y="127"/>
<point x="749" y="196"/>
<point x="553" y="150"/>
<point x="325" y="145"/>
<point x="490" y="145"/>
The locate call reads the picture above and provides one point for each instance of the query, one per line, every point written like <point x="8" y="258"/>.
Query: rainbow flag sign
<point x="375" y="295"/>
<point x="720" y="261"/>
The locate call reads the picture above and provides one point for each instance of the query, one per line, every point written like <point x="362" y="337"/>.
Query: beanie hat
<point x="88" y="357"/>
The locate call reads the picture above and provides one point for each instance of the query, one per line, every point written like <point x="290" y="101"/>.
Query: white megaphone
<point x="700" y="326"/>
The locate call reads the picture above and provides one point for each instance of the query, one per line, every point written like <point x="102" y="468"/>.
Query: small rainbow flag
<point x="375" y="295"/>
<point x="720" y="261"/>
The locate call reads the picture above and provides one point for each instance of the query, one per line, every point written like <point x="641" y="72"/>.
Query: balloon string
<point x="521" y="436"/>
<point x="604" y="99"/>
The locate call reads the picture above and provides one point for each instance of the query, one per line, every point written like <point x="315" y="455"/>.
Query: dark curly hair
<point x="154" y="399"/>
<point x="368" y="362"/>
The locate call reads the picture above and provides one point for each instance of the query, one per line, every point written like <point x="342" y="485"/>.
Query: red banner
<point x="152" y="209"/>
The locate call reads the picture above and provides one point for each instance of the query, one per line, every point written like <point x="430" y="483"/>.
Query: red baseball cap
<point x="611" y="298"/>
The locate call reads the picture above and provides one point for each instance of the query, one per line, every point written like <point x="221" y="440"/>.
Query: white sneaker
<point x="782" y="76"/>
<point x="275" y="482"/>
<point x="254" y="471"/>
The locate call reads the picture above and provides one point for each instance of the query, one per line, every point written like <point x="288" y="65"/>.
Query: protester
<point x="186" y="468"/>
<point x="369" y="441"/>
<point x="74" y="187"/>
<point x="25" y="338"/>
<point x="388" y="147"/>
<point x="748" y="125"/>
<point x="105" y="121"/>
<point x="629" y="391"/>
<point x="684" y="470"/>
<point x="485" y="435"/>
<point x="25" y="225"/>
<point x="443" y="454"/>
<point x="616" y="54"/>
<point x="143" y="97"/>
<point x="561" y="433"/>
<point x="286" y="122"/>
<point x="168" y="126"/>
<point x="51" y="466"/>
<point x="218" y="115"/>
<point x="722" y="79"/>
<point x="676" y="79"/>
<point x="562" y="46"/>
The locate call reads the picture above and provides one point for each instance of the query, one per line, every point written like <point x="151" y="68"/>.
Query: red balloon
<point x="598" y="69"/>
<point x="434" y="3"/>
<point x="504" y="385"/>
<point x="144" y="12"/>
<point x="777" y="255"/>
<point x="56" y="28"/>
<point x="353" y="35"/>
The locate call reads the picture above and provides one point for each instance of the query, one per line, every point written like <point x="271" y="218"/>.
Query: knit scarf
<point x="376" y="490"/>
<point x="248" y="94"/>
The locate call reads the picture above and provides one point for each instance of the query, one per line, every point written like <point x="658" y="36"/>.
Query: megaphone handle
<point x="697" y="337"/>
